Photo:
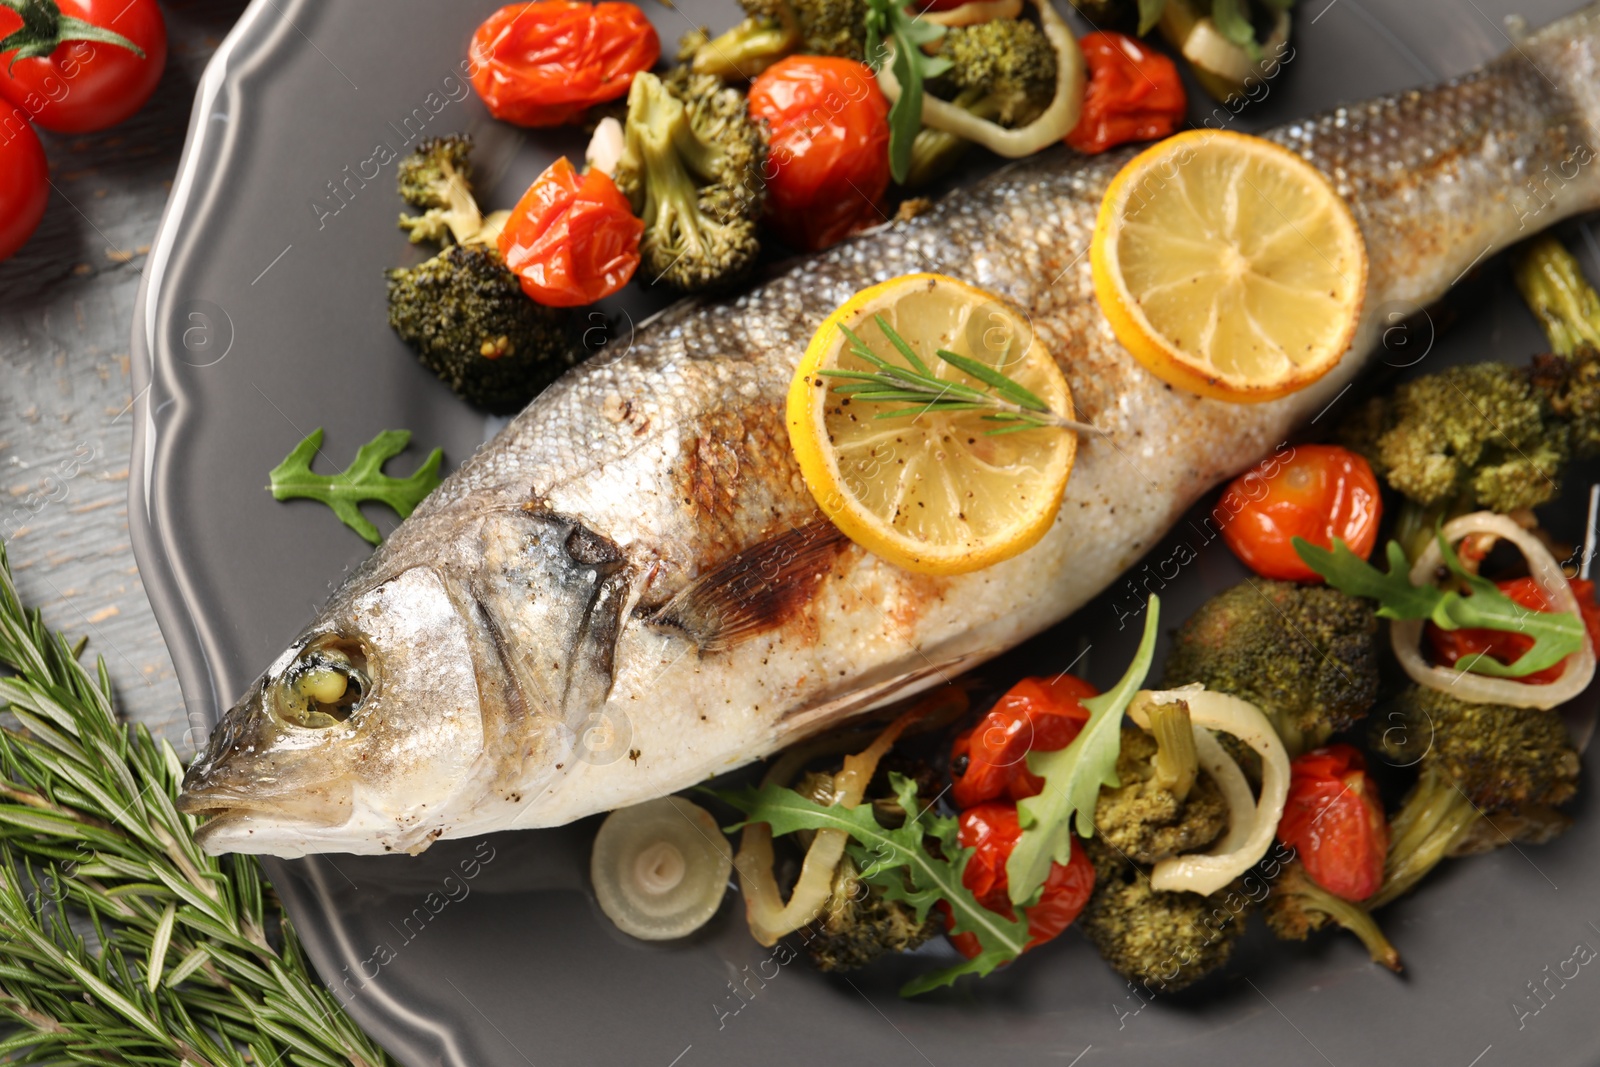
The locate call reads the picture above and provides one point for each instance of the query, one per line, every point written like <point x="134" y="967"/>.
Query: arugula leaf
<point x="1073" y="777"/>
<point x="889" y="20"/>
<point x="364" y="480"/>
<point x="1149" y="14"/>
<point x="1232" y="20"/>
<point x="1556" y="634"/>
<point x="896" y="861"/>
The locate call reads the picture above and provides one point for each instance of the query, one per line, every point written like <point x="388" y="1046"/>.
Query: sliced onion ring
<point x="1406" y="635"/>
<point x="660" y="869"/>
<point x="1252" y="823"/>
<point x="1054" y="124"/>
<point x="973" y="12"/>
<point x="769" y="917"/>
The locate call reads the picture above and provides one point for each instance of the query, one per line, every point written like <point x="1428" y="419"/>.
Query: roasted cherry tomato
<point x="24" y="180"/>
<point x="545" y="63"/>
<point x="80" y="65"/>
<point x="828" y="156"/>
<point x="1334" y="821"/>
<point x="572" y="238"/>
<point x="1317" y="492"/>
<point x="989" y="760"/>
<point x="1451" y="646"/>
<point x="1134" y="94"/>
<point x="992" y="831"/>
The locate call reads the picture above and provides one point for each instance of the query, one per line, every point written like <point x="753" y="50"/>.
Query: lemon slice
<point x="933" y="490"/>
<point x="1228" y="266"/>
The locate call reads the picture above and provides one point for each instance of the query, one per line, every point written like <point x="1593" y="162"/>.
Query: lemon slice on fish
<point x="938" y="488"/>
<point x="1228" y="266"/>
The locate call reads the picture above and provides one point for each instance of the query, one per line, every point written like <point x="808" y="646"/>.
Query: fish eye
<point x="325" y="685"/>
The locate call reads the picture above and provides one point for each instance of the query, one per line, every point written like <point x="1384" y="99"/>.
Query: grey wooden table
<point x="66" y="305"/>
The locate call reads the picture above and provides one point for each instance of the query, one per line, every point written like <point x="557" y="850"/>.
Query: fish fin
<point x="753" y="590"/>
<point x="811" y="719"/>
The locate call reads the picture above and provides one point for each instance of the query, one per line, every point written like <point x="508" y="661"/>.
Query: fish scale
<point x="630" y="589"/>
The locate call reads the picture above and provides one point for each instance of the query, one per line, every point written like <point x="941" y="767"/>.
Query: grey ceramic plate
<point x="262" y="318"/>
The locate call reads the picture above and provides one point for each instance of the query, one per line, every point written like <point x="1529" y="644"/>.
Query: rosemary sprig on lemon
<point x="901" y="452"/>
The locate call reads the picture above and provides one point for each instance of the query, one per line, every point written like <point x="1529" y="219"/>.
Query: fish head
<point x="358" y="738"/>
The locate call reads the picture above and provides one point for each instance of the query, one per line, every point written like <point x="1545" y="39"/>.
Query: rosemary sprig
<point x="121" y="942"/>
<point x="1006" y="400"/>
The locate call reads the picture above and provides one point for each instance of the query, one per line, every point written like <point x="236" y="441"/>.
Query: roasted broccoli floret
<point x="858" y="924"/>
<point x="1003" y="70"/>
<point x="1305" y="655"/>
<point x="1559" y="296"/>
<point x="1163" y="806"/>
<point x="1479" y="434"/>
<point x="469" y="321"/>
<point x="1297" y="907"/>
<point x="1488" y="775"/>
<point x="776" y="28"/>
<point x="1009" y="62"/>
<point x="1568" y="308"/>
<point x="1164" y="941"/>
<point x="437" y="180"/>
<point x="692" y="170"/>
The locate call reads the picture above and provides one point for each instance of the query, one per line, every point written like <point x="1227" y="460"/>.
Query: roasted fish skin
<point x="630" y="588"/>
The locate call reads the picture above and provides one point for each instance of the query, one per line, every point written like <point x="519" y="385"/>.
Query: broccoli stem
<point x="934" y="152"/>
<point x="1559" y="296"/>
<point x="1297" y="740"/>
<point x="750" y="47"/>
<point x="1176" y="762"/>
<point x="1416" y="526"/>
<point x="1435" y="816"/>
<point x="1353" y="917"/>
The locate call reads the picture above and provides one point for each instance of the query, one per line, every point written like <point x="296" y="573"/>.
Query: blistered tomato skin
<point x="828" y="150"/>
<point x="991" y="830"/>
<point x="1317" y="492"/>
<point x="1134" y="94"/>
<point x="1333" y="819"/>
<point x="989" y="761"/>
<point x="572" y="238"/>
<point x="546" y="63"/>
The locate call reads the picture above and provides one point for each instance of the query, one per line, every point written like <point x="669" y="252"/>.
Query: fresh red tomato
<point x="546" y="63"/>
<point x="571" y="239"/>
<point x="992" y="831"/>
<point x="1334" y="821"/>
<point x="24" y="181"/>
<point x="828" y="155"/>
<point x="989" y="760"/>
<point x="81" y="65"/>
<point x="1317" y="492"/>
<point x="1134" y="94"/>
<point x="1451" y="646"/>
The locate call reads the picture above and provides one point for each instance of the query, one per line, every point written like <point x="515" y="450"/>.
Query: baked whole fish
<point x="630" y="589"/>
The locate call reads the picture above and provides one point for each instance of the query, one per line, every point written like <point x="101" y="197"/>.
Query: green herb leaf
<point x="888" y="20"/>
<point x="1555" y="634"/>
<point x="1150" y="14"/>
<point x="897" y="860"/>
<point x="1232" y="20"/>
<point x="1005" y="398"/>
<point x="365" y="480"/>
<point x="1073" y="777"/>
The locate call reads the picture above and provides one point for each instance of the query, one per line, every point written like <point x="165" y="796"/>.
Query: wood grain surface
<point x="66" y="311"/>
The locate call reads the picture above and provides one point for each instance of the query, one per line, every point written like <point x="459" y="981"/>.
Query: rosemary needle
<point x="121" y="942"/>
<point x="1005" y="399"/>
